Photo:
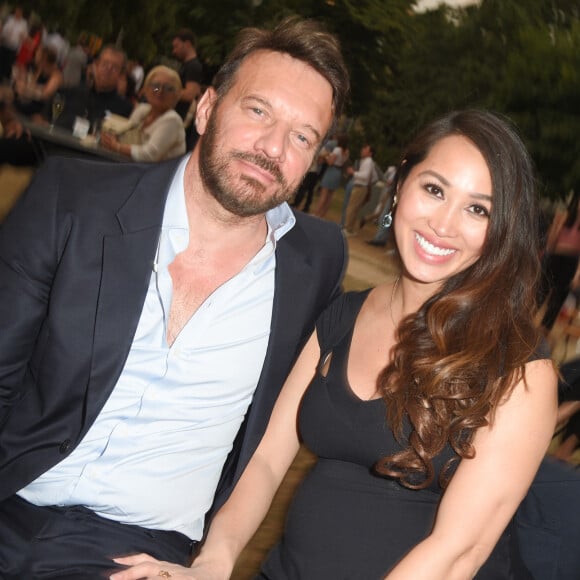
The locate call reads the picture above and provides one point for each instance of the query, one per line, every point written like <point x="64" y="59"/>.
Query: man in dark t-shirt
<point x="92" y="102"/>
<point x="191" y="72"/>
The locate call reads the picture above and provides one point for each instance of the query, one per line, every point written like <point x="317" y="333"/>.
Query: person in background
<point x="11" y="126"/>
<point x="14" y="31"/>
<point x="362" y="180"/>
<point x="15" y="144"/>
<point x="58" y="43"/>
<point x="159" y="129"/>
<point x="91" y="102"/>
<point x="414" y="395"/>
<point x="568" y="423"/>
<point x="82" y="102"/>
<point x="560" y="261"/>
<point x="347" y="190"/>
<point x="28" y="47"/>
<point x="126" y="87"/>
<point x="332" y="176"/>
<point x="191" y="73"/>
<point x="33" y="91"/>
<point x="135" y="69"/>
<point x="75" y="63"/>
<point x="145" y="306"/>
<point x="307" y="186"/>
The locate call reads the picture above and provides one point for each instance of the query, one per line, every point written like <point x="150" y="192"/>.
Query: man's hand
<point x="144" y="566"/>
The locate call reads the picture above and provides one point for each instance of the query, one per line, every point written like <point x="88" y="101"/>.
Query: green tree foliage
<point x="540" y="91"/>
<point x="140" y="27"/>
<point x="370" y="31"/>
<point x="520" y="58"/>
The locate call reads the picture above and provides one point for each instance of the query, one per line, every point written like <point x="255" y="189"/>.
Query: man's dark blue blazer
<point x="76" y="256"/>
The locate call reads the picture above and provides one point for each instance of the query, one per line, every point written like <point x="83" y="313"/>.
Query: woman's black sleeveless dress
<point x="346" y="522"/>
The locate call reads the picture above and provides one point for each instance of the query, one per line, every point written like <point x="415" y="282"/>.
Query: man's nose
<point x="273" y="142"/>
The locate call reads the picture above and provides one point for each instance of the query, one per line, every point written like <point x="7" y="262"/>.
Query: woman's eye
<point x="434" y="189"/>
<point x="479" y="210"/>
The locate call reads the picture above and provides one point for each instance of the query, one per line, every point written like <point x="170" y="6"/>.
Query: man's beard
<point x="242" y="199"/>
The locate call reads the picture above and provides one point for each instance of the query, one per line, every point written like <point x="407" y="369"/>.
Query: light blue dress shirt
<point x="155" y="453"/>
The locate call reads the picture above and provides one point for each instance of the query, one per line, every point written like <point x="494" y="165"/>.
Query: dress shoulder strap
<point x="338" y="319"/>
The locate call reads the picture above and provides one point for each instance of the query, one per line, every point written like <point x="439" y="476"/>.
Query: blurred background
<point x="409" y="60"/>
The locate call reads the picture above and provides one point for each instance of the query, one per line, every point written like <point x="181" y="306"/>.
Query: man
<point x="191" y="73"/>
<point x="144" y="307"/>
<point x="91" y="102"/>
<point x="362" y="179"/>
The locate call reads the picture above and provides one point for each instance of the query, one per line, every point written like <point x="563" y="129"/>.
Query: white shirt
<point x="14" y="32"/>
<point x="163" y="139"/>
<point x="364" y="175"/>
<point x="155" y="453"/>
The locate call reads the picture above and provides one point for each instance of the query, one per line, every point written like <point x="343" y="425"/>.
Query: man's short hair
<point x="114" y="48"/>
<point x="186" y="35"/>
<point x="304" y="40"/>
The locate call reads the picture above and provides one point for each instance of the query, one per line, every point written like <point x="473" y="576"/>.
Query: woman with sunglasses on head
<point x="428" y="400"/>
<point x="156" y="130"/>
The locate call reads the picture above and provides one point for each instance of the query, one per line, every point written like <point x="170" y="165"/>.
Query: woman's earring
<point x="388" y="219"/>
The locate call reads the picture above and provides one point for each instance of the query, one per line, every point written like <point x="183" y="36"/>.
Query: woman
<point x="561" y="260"/>
<point x="156" y="129"/>
<point x="332" y="175"/>
<point x="28" y="48"/>
<point x="34" y="90"/>
<point x="415" y="394"/>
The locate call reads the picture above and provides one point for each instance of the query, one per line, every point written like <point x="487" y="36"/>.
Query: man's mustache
<point x="262" y="162"/>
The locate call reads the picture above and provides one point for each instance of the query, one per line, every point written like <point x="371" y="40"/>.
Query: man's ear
<point x="204" y="108"/>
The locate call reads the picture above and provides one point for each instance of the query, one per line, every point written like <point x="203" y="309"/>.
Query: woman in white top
<point x="157" y="131"/>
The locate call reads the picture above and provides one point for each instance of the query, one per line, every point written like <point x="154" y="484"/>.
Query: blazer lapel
<point x="126" y="270"/>
<point x="288" y="313"/>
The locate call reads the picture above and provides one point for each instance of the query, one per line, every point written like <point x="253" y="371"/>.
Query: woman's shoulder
<point x="171" y="118"/>
<point x="339" y="316"/>
<point x="142" y="106"/>
<point x="140" y="111"/>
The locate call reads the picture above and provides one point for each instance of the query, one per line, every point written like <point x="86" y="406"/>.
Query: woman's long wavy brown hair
<point x="460" y="355"/>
